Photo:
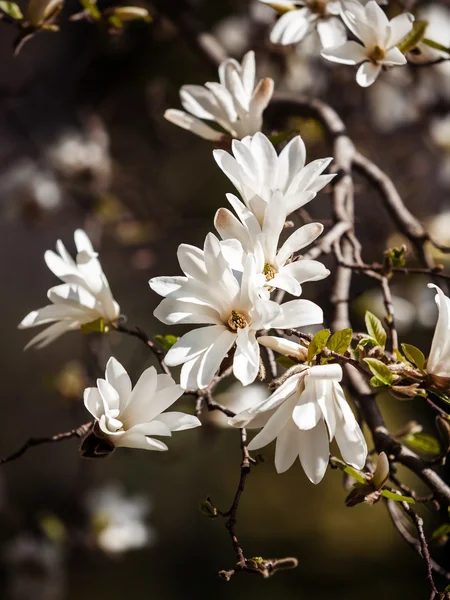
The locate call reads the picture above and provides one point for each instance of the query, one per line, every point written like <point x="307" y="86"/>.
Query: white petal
<point x="229" y="227"/>
<point x="286" y="449"/>
<point x="350" y="53"/>
<point x="298" y="313"/>
<point x="367" y="74"/>
<point x="165" y="286"/>
<point x="394" y="56"/>
<point x="260" y="100"/>
<point x="351" y="442"/>
<point x="281" y="345"/>
<point x="246" y="358"/>
<point x="192" y="261"/>
<point x="49" y="335"/>
<point x="273" y="225"/>
<point x="331" y="33"/>
<point x="439" y="359"/>
<point x="284" y="281"/>
<point x="119" y="379"/>
<point x="400" y="25"/>
<point x="314" y="452"/>
<point x="290" y="161"/>
<point x="139" y="441"/>
<point x="82" y="242"/>
<point x="290" y="27"/>
<point x="93" y="402"/>
<point x="302" y="237"/>
<point x="178" y="421"/>
<point x="192" y="344"/>
<point x="331" y="372"/>
<point x="200" y="102"/>
<point x="275" y="424"/>
<point x="109" y="395"/>
<point x="213" y="357"/>
<point x="304" y="270"/>
<point x="197" y="127"/>
<point x="175" y="312"/>
<point x="306" y="413"/>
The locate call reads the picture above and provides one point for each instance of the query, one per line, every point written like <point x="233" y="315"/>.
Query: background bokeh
<point x="83" y="144"/>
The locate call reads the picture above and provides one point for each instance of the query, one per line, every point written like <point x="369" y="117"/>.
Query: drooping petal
<point x="306" y="413"/>
<point x="192" y="124"/>
<point x="139" y="441"/>
<point x="304" y="270"/>
<point x="275" y="424"/>
<point x="350" y="53"/>
<point x="314" y="451"/>
<point x="213" y="357"/>
<point x="298" y="313"/>
<point x="246" y="358"/>
<point x="175" y="312"/>
<point x="438" y="361"/>
<point x="286" y="448"/>
<point x="303" y="236"/>
<point x="367" y="74"/>
<point x="178" y="421"/>
<point x="192" y="344"/>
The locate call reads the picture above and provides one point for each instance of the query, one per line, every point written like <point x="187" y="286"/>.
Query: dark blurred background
<point x="83" y="143"/>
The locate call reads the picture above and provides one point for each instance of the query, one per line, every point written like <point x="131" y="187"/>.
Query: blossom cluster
<point x="230" y="295"/>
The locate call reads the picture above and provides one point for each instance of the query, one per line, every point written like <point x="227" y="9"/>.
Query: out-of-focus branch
<point x="78" y="432"/>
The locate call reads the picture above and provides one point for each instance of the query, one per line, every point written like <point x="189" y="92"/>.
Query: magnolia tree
<point x="244" y="295"/>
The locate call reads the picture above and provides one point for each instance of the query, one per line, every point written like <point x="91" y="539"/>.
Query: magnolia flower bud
<point x="283" y="346"/>
<point x="40" y="12"/>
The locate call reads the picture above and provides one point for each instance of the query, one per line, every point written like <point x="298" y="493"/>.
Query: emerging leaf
<point x="397" y="497"/>
<point x="318" y="343"/>
<point x="414" y="36"/>
<point x="375" y="329"/>
<point x="340" y="341"/>
<point x="423" y="443"/>
<point x="441" y="532"/>
<point x="379" y="370"/>
<point x="208" y="509"/>
<point x="11" y="9"/>
<point x="166" y="341"/>
<point x="286" y="362"/>
<point x="414" y="355"/>
<point x="357" y="475"/>
<point x="92" y="9"/>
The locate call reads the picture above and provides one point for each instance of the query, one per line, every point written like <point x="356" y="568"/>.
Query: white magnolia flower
<point x="235" y="104"/>
<point x="437" y="18"/>
<point x="438" y="362"/>
<point x="257" y="172"/>
<point x="83" y="298"/>
<point x="127" y="417"/>
<point x="262" y="240"/>
<point x="304" y="414"/>
<point x="299" y="19"/>
<point x="379" y="38"/>
<point x="211" y="294"/>
<point x="118" y="520"/>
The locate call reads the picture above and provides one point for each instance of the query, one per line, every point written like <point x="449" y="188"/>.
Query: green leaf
<point x="376" y="383"/>
<point x="318" y="343"/>
<point x="357" y="475"/>
<point x="166" y="341"/>
<point x="414" y="36"/>
<point x="447" y="589"/>
<point x="423" y="443"/>
<point x="375" y="328"/>
<point x="397" y="497"/>
<point x="340" y="341"/>
<point x="208" y="509"/>
<point x="380" y="370"/>
<point x="97" y="326"/>
<point x="414" y="355"/>
<point x="92" y="9"/>
<point x="442" y="531"/>
<point x="436" y="45"/>
<point x="367" y="341"/>
<point x="442" y="396"/>
<point x="396" y="256"/>
<point x="286" y="362"/>
<point x="11" y="9"/>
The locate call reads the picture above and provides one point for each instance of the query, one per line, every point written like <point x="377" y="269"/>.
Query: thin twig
<point x="140" y="334"/>
<point x="78" y="432"/>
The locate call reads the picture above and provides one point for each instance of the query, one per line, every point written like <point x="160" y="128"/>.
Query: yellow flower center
<point x="377" y="54"/>
<point x="237" y="321"/>
<point x="269" y="271"/>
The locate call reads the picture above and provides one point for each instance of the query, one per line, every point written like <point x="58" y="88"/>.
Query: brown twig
<point x="78" y="432"/>
<point x="140" y="334"/>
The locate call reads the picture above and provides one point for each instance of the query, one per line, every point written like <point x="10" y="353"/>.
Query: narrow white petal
<point x="286" y="448"/>
<point x="303" y="236"/>
<point x="367" y="74"/>
<point x="275" y="424"/>
<point x="350" y="53"/>
<point x="298" y="313"/>
<point x="314" y="451"/>
<point x="119" y="379"/>
<point x="178" y="421"/>
<point x="192" y="124"/>
<point x="246" y="358"/>
<point x="192" y="344"/>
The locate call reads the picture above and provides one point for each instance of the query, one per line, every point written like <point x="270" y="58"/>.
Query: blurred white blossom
<point x="257" y="172"/>
<point x="127" y="417"/>
<point x="235" y="104"/>
<point x="378" y="36"/>
<point x="84" y="297"/>
<point x="438" y="362"/>
<point x="119" y="521"/>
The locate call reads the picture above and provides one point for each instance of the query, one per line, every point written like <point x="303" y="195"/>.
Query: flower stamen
<point x="237" y="321"/>
<point x="269" y="271"/>
<point x="377" y="54"/>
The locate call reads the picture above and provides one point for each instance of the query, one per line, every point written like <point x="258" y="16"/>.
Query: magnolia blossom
<point x="379" y="38"/>
<point x="235" y="104"/>
<point x="438" y="363"/>
<point x="304" y="414"/>
<point x="276" y="265"/>
<point x="83" y="298"/>
<point x="257" y="172"/>
<point x="230" y="304"/>
<point x="118" y="520"/>
<point x="299" y="19"/>
<point x="127" y="417"/>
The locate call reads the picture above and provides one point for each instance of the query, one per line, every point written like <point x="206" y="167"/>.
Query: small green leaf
<point x="436" y="45"/>
<point x="286" y="362"/>
<point x="92" y="9"/>
<point x="357" y="475"/>
<point x="414" y="36"/>
<point x="318" y="343"/>
<point x="208" y="509"/>
<point x="442" y="531"/>
<point x="442" y="396"/>
<point x="370" y="342"/>
<point x="397" y="497"/>
<point x="396" y="256"/>
<point x="340" y="341"/>
<point x="447" y="589"/>
<point x="11" y="9"/>
<point x="53" y="527"/>
<point x="166" y="341"/>
<point x="423" y="443"/>
<point x="375" y="328"/>
<point x="414" y="355"/>
<point x="97" y="326"/>
<point x="380" y="370"/>
<point x="374" y="382"/>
